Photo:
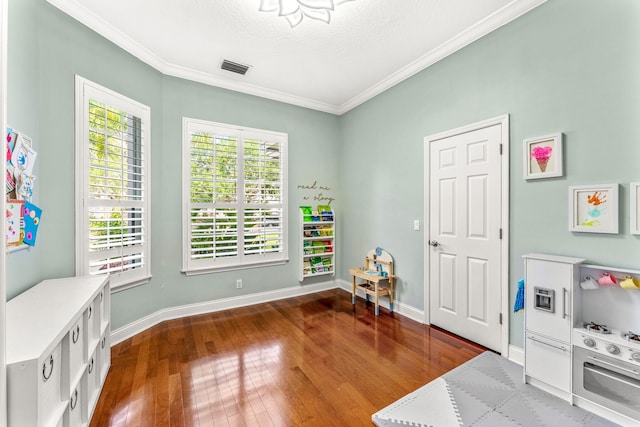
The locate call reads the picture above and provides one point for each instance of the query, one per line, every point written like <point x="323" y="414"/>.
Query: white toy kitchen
<point x="581" y="334"/>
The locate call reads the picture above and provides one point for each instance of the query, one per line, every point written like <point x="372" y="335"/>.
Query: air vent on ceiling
<point x="234" y="67"/>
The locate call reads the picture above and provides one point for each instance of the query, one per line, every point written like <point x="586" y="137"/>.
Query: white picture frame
<point x="634" y="191"/>
<point x="593" y="208"/>
<point x="542" y="156"/>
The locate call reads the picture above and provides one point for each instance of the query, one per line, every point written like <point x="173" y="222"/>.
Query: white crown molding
<point x="274" y="95"/>
<point x="142" y="324"/>
<point x="83" y="15"/>
<point x="492" y="22"/>
<point x="499" y="18"/>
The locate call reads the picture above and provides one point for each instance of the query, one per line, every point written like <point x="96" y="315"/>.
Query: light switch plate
<point x="416" y="225"/>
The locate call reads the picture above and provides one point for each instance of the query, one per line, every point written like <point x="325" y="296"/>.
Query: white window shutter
<point x="113" y="185"/>
<point x="235" y="204"/>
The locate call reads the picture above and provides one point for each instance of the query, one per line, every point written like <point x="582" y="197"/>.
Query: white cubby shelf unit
<point x="317" y="251"/>
<point x="58" y="351"/>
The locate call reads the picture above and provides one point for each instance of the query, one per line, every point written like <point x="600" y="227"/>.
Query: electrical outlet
<point x="239" y="284"/>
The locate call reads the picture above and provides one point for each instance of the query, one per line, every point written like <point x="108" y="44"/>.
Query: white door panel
<point x="477" y="289"/>
<point x="446" y="283"/>
<point x="465" y="218"/>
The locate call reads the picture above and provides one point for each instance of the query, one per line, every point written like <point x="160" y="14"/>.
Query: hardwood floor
<point x="314" y="360"/>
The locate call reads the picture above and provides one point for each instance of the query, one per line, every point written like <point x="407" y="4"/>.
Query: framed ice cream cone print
<point x="593" y="208"/>
<point x="543" y="156"/>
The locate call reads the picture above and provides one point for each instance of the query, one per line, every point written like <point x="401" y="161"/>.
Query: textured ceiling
<point x="368" y="46"/>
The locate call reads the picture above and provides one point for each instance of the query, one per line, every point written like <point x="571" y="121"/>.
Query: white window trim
<point x="190" y="267"/>
<point x="85" y="90"/>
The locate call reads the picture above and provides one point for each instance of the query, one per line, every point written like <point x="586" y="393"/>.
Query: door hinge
<point x="500" y="234"/>
<point x="501" y="149"/>
<point x="500" y="318"/>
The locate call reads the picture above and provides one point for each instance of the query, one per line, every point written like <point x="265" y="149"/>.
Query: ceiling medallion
<point x="295" y="10"/>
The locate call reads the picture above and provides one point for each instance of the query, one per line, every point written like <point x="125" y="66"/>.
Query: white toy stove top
<point x="614" y="344"/>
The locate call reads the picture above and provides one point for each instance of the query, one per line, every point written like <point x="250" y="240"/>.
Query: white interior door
<point x="465" y="207"/>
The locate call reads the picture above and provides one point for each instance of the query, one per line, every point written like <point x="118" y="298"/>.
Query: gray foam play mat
<point x="486" y="391"/>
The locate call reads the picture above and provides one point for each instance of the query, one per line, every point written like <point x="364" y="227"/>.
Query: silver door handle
<point x="564" y="303"/>
<point x="434" y="243"/>
<point x="532" y="338"/>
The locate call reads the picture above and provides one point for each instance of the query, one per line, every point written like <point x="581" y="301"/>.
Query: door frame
<point x="3" y="288"/>
<point x="502" y="120"/>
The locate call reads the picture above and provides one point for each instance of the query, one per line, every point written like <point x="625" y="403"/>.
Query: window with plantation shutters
<point x="234" y="194"/>
<point x="112" y="139"/>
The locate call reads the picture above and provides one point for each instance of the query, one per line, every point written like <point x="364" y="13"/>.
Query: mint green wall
<point x="23" y="267"/>
<point x="568" y="66"/>
<point x="47" y="49"/>
<point x="313" y="148"/>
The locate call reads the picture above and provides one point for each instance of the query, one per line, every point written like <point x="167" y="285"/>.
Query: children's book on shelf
<point x="318" y="247"/>
<point x="307" y="248"/>
<point x="326" y="214"/>
<point x="316" y="265"/>
<point x="306" y="213"/>
<point x="326" y="231"/>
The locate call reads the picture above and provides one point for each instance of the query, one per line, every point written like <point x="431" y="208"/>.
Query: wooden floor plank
<point x="313" y="360"/>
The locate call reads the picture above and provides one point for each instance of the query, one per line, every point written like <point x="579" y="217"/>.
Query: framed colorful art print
<point x="593" y="208"/>
<point x="543" y="156"/>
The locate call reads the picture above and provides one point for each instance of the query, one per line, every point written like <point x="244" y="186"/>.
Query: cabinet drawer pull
<point x="46" y="376"/>
<point x="91" y="365"/>
<point x="104" y="339"/>
<point x="75" y="334"/>
<point x="74" y="400"/>
<point x="563" y="348"/>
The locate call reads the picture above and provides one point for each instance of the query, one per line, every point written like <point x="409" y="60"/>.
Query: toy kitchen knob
<point x="613" y="349"/>
<point x="589" y="342"/>
<point x="635" y="356"/>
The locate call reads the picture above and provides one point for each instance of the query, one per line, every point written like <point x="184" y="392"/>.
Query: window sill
<point x="128" y="285"/>
<point x="209" y="270"/>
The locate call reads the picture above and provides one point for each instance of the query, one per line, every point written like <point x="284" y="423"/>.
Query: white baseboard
<point x="133" y="328"/>
<point x="516" y="354"/>
<point x="400" y="308"/>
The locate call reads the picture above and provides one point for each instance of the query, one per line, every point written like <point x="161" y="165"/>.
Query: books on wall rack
<point x="318" y="265"/>
<point x="317" y="241"/>
<point x="324" y="213"/>
<point x="318" y="231"/>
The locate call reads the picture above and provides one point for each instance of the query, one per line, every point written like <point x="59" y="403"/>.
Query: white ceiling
<point x="368" y="46"/>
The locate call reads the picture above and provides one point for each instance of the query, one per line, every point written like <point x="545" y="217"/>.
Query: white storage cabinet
<point x="58" y="351"/>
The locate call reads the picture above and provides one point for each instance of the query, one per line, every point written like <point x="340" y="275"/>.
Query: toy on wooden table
<point x="378" y="269"/>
